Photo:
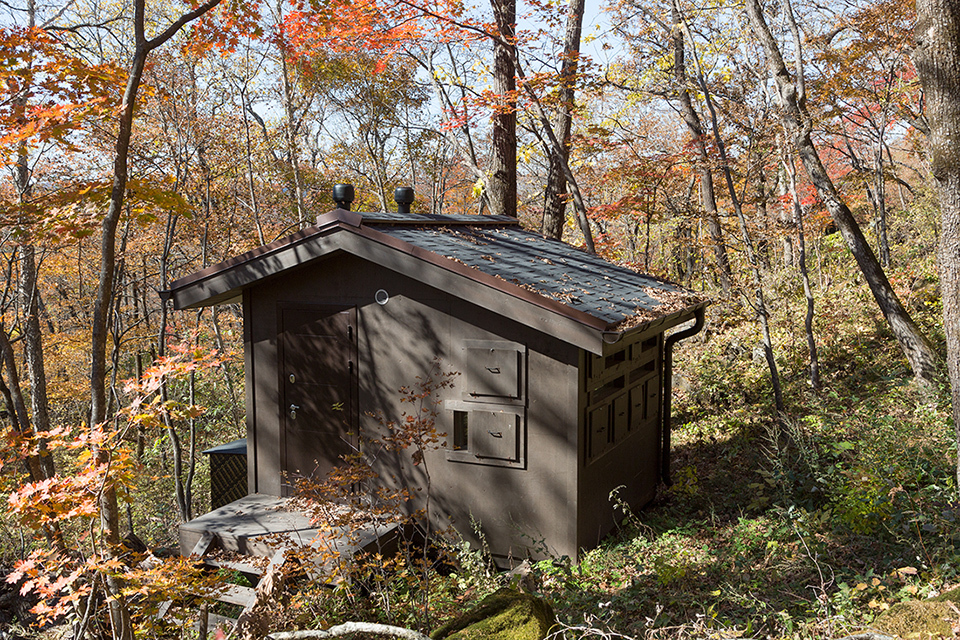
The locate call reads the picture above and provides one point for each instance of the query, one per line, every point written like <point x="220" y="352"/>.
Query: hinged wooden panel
<point x="493" y="372"/>
<point x="621" y="417"/>
<point x="652" y="411"/>
<point x="598" y="431"/>
<point x="486" y="433"/>
<point x="638" y="405"/>
<point x="493" y="434"/>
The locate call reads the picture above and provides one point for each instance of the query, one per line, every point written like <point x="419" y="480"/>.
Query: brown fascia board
<point x="220" y="283"/>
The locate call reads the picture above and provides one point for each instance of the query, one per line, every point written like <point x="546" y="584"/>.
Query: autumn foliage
<point x="244" y="116"/>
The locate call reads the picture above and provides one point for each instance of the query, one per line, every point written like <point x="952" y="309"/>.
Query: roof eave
<point x="217" y="284"/>
<point x="612" y="335"/>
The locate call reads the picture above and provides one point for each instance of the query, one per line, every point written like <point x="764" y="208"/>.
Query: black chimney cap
<point x="404" y="197"/>
<point x="343" y="195"/>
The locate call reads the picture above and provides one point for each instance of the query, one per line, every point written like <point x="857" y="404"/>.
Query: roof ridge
<point x="389" y="218"/>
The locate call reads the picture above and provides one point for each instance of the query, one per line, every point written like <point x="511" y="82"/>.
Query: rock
<point x="507" y="614"/>
<point x="920" y="619"/>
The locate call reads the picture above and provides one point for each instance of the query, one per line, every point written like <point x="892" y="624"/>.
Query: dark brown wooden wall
<point x="525" y="497"/>
<point x="620" y="414"/>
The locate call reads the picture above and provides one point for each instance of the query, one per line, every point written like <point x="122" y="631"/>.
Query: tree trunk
<point x="785" y="228"/>
<point x="33" y="350"/>
<point x="763" y="243"/>
<point x="760" y="304"/>
<point x="176" y="448"/>
<point x="108" y="502"/>
<point x="251" y="185"/>
<point x="503" y="168"/>
<point x="16" y="404"/>
<point x="290" y="134"/>
<point x="290" y="125"/>
<point x="27" y="290"/>
<point x="883" y="245"/>
<point x="804" y="274"/>
<point x="707" y="193"/>
<point x="798" y="123"/>
<point x="553" y="146"/>
<point x="937" y="57"/>
<point x="555" y="202"/>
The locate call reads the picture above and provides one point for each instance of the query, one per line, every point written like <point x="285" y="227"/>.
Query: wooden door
<point x="318" y="382"/>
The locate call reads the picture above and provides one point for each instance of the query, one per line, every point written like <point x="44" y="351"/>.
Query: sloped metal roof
<point x="541" y="265"/>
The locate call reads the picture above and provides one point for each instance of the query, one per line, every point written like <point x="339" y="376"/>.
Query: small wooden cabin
<point x="561" y="359"/>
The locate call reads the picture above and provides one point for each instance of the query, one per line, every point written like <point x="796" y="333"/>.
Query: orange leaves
<point x="49" y="93"/>
<point x="147" y="408"/>
<point x="63" y="582"/>
<point x="367" y="27"/>
<point x="868" y="72"/>
<point x="186" y="360"/>
<point x="58" y="498"/>
<point x="53" y="579"/>
<point x="54" y="99"/>
<point x="67" y="495"/>
<point x="223" y="27"/>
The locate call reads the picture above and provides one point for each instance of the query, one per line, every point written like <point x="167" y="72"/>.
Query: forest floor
<point x="808" y="526"/>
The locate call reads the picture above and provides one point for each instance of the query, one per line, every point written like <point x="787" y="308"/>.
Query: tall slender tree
<point x="109" y="505"/>
<point x="799" y="125"/>
<point x="692" y="121"/>
<point x="503" y="166"/>
<point x="937" y="57"/>
<point x="554" y="195"/>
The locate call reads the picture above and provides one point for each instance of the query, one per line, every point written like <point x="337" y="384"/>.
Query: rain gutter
<point x="668" y="344"/>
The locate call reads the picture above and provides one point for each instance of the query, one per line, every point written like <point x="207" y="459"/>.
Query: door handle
<point x="293" y="411"/>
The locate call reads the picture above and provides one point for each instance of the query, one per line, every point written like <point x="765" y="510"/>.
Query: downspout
<point x="667" y="387"/>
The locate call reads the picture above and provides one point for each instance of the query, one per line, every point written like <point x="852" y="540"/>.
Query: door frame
<point x="352" y="416"/>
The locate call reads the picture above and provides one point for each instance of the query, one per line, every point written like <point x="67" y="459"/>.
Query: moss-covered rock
<point x="508" y="614"/>
<point x="953" y="595"/>
<point x="920" y="620"/>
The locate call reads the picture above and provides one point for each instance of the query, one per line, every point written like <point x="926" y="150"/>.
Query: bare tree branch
<point x="348" y="628"/>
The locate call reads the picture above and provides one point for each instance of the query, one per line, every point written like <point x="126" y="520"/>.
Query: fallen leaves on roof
<point x="668" y="301"/>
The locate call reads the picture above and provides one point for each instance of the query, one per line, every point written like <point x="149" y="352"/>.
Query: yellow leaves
<point x="148" y="198"/>
<point x="904" y="572"/>
<point x="525" y="153"/>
